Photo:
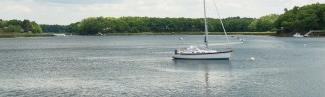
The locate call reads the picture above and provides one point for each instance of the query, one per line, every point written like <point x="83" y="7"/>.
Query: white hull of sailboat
<point x="217" y="56"/>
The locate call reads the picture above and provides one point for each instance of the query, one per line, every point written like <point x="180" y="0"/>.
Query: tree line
<point x="25" y="26"/>
<point x="54" y="28"/>
<point x="94" y="25"/>
<point x="298" y="19"/>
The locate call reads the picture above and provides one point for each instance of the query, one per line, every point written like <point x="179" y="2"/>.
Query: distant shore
<point x="13" y="35"/>
<point x="196" y="33"/>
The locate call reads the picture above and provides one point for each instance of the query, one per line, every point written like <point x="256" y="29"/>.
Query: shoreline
<point x="196" y="33"/>
<point x="14" y="35"/>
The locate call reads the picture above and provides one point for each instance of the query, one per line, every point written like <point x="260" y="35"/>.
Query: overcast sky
<point x="68" y="11"/>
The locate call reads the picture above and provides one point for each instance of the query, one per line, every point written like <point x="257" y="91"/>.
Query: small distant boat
<point x="100" y="34"/>
<point x="298" y="35"/>
<point x="204" y="52"/>
<point x="59" y="34"/>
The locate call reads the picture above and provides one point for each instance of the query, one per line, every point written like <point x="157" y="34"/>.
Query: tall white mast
<point x="205" y="25"/>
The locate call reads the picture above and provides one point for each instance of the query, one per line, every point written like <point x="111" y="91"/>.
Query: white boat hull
<point x="217" y="56"/>
<point x="59" y="34"/>
<point x="298" y="35"/>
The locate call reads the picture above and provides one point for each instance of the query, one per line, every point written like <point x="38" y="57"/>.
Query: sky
<point x="64" y="12"/>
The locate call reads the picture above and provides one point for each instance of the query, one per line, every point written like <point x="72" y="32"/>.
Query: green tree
<point x="20" y="26"/>
<point x="13" y="28"/>
<point x="27" y="26"/>
<point x="36" y="28"/>
<point x="74" y="28"/>
<point x="264" y="23"/>
<point x="302" y="19"/>
<point x="237" y="24"/>
<point x="92" y="26"/>
<point x="2" y="23"/>
<point x="54" y="28"/>
<point x="14" y="22"/>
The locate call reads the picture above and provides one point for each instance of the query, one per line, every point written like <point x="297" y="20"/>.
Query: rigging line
<point x="220" y="19"/>
<point x="205" y="25"/>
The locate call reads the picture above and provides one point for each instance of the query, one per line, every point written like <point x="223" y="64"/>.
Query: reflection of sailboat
<point x="202" y="53"/>
<point x="221" y="67"/>
<point x="200" y="65"/>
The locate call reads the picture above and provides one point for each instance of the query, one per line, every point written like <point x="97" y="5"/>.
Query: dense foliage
<point x="264" y="23"/>
<point x="19" y="26"/>
<point x="302" y="19"/>
<point x="94" y="25"/>
<point x="54" y="28"/>
<point x="298" y="19"/>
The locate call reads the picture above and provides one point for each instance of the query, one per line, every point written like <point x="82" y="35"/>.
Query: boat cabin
<point x="192" y="50"/>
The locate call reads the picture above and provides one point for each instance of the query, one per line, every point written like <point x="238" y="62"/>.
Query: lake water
<point x="140" y="66"/>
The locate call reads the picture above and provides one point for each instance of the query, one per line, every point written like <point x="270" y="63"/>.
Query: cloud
<point x="80" y="1"/>
<point x="16" y="9"/>
<point x="68" y="11"/>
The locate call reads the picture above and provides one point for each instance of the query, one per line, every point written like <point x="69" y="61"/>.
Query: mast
<point x="205" y="25"/>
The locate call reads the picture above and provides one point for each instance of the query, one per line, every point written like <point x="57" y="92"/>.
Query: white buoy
<point x="252" y="59"/>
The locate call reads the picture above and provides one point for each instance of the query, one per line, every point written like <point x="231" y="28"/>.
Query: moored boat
<point x="204" y="52"/>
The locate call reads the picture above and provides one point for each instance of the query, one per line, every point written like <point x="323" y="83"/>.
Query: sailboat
<point x="204" y="52"/>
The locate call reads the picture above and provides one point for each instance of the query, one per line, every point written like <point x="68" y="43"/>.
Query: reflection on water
<point x="203" y="65"/>
<point x="218" y="67"/>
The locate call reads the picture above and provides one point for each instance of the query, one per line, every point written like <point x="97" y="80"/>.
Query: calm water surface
<point x="127" y="66"/>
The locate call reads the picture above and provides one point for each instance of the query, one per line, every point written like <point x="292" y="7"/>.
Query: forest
<point x="298" y="19"/>
<point x="94" y="25"/>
